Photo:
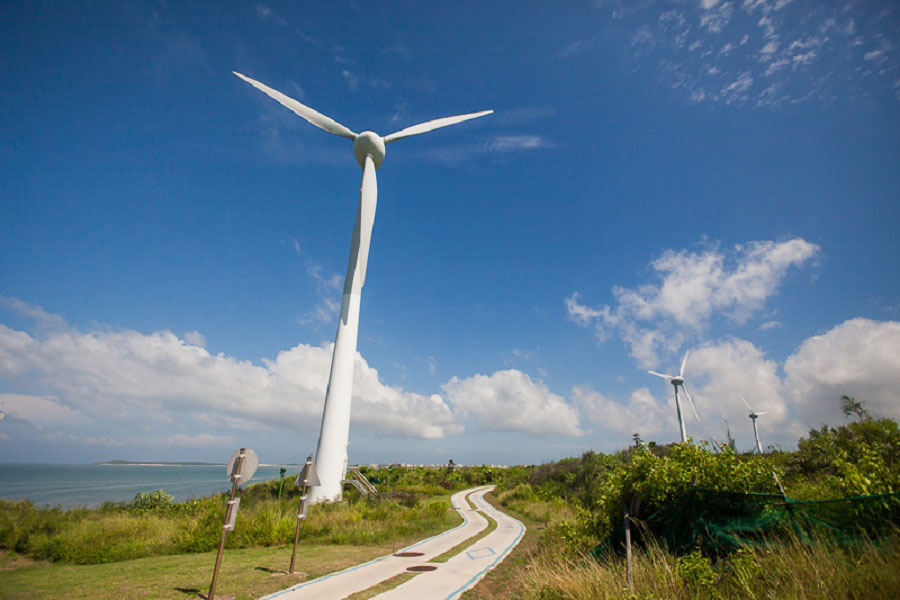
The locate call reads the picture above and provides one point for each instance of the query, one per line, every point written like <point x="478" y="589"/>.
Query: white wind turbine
<point x="753" y="416"/>
<point x="678" y="380"/>
<point x="369" y="150"/>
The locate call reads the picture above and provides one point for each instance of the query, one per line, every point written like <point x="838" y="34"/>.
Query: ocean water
<point x="72" y="486"/>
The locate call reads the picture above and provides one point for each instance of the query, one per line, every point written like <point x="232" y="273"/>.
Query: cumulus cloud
<point x="642" y="412"/>
<point x="718" y="373"/>
<point x="129" y="377"/>
<point x="691" y="289"/>
<point x="859" y="357"/>
<point x="511" y="401"/>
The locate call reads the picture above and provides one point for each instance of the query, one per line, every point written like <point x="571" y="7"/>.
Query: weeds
<point x="787" y="569"/>
<point x="151" y="526"/>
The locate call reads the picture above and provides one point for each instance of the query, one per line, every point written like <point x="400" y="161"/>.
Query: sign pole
<point x="235" y="477"/>
<point x="309" y="472"/>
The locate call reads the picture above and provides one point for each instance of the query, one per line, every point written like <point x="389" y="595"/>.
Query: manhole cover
<point x="410" y="554"/>
<point x="420" y="568"/>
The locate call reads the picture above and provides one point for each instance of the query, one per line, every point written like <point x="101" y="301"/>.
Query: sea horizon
<point x="89" y="485"/>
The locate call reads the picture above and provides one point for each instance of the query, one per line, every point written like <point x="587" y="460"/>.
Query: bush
<point x="160" y="499"/>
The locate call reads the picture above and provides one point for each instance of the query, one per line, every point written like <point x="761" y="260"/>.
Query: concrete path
<point x="464" y="570"/>
<point x="337" y="586"/>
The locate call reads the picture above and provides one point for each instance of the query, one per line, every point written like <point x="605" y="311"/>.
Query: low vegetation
<point x="153" y="525"/>
<point x="706" y="521"/>
<point x="840" y="549"/>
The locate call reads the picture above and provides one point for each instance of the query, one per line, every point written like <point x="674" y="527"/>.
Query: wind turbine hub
<point x="676" y="381"/>
<point x="369" y="142"/>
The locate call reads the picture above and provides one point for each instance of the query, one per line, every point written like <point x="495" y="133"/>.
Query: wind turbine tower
<point x="753" y="417"/>
<point x="369" y="151"/>
<point x="676" y="381"/>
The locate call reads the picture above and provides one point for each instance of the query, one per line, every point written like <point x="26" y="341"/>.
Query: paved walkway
<point x="463" y="571"/>
<point x="337" y="586"/>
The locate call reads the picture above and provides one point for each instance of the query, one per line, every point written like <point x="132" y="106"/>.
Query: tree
<point x="850" y="406"/>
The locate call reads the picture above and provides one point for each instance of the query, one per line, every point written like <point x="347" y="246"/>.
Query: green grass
<point x="244" y="574"/>
<point x="384" y="586"/>
<point x="542" y="567"/>
<point x="789" y="569"/>
<point x="113" y="534"/>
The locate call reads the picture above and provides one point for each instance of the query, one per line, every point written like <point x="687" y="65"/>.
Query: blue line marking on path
<point x="324" y="577"/>
<point x="480" y="553"/>
<point x="500" y="557"/>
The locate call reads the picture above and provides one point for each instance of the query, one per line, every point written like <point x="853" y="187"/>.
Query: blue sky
<point x="658" y="176"/>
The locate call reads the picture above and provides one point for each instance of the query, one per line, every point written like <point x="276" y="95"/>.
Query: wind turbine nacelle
<point x="677" y="380"/>
<point x="369" y="143"/>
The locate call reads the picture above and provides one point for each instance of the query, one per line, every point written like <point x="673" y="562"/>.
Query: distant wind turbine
<point x="369" y="150"/>
<point x="678" y="380"/>
<point x="753" y="416"/>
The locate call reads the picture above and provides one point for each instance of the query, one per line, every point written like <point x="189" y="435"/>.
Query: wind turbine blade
<point x="762" y="413"/>
<point x="666" y="377"/>
<point x="691" y="402"/>
<point x="683" y="362"/>
<point x="432" y="125"/>
<point x="745" y="404"/>
<point x="313" y="116"/>
<point x="368" y="200"/>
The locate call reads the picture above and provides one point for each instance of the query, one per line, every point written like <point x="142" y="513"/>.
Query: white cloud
<point x="769" y="325"/>
<point x="199" y="440"/>
<point x="693" y="288"/>
<point x="878" y="55"/>
<point x="328" y="291"/>
<point x="512" y="143"/>
<point x="776" y="65"/>
<point x="859" y="357"/>
<point x="734" y="91"/>
<point x="718" y="373"/>
<point x="351" y="78"/>
<point x="642" y="413"/>
<point x="511" y="401"/>
<point x="660" y="34"/>
<point x="574" y="48"/>
<point x="39" y="410"/>
<point x="195" y="338"/>
<point x="41" y="317"/>
<point x="131" y="378"/>
<point x="712" y="19"/>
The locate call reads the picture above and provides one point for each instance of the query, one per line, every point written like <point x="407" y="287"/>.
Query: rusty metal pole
<point x="229" y="507"/>
<point x="302" y="514"/>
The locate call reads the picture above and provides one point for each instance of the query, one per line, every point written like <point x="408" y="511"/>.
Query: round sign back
<point x="247" y="467"/>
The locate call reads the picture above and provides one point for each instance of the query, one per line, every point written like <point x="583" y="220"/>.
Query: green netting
<point x="724" y="521"/>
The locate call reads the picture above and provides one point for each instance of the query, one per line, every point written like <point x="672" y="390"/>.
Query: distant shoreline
<point x="130" y="463"/>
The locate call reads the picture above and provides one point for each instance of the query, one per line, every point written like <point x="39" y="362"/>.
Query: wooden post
<point x="627" y="523"/>
<point x="236" y="475"/>
<point x="302" y="514"/>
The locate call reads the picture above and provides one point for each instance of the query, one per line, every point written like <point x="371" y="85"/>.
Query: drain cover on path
<point x="420" y="568"/>
<point x="410" y="554"/>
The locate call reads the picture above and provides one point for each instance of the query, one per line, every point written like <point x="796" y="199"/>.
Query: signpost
<point x="309" y="476"/>
<point x="240" y="469"/>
